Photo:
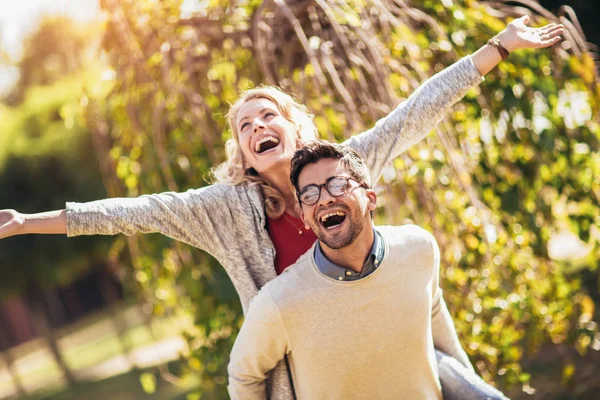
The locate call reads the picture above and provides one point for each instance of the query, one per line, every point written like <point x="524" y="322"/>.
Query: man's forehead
<point x="321" y="170"/>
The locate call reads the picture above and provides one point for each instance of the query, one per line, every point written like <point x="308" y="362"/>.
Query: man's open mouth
<point x="332" y="219"/>
<point x="266" y="143"/>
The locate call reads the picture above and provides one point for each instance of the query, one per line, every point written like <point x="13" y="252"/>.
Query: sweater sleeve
<point x="199" y="217"/>
<point x="414" y="118"/>
<point x="260" y="345"/>
<point x="442" y="326"/>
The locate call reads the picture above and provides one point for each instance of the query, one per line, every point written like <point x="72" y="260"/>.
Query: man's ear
<point x="306" y="226"/>
<point x="372" y="196"/>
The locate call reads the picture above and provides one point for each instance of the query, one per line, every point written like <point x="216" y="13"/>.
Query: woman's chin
<point x="274" y="163"/>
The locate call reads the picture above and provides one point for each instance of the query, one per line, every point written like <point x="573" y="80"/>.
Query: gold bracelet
<point x="501" y="49"/>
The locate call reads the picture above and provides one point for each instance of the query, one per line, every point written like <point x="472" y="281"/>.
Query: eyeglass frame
<point x="324" y="185"/>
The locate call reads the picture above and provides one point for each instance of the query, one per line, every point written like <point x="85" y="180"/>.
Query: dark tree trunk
<point x="110" y="297"/>
<point x="42" y="321"/>
<point x="8" y="358"/>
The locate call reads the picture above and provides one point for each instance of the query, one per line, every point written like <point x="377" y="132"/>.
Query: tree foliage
<point x="513" y="164"/>
<point x="56" y="49"/>
<point x="47" y="158"/>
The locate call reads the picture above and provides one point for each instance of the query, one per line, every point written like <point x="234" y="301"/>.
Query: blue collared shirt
<point x="343" y="274"/>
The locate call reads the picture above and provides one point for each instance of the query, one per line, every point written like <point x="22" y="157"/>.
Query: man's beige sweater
<point x="367" y="339"/>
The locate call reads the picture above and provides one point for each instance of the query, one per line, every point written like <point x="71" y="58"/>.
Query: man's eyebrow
<point x="326" y="179"/>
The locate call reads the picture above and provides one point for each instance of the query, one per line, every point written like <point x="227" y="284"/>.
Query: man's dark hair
<point x="320" y="149"/>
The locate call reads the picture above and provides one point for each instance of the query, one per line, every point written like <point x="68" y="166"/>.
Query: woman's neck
<point x="281" y="182"/>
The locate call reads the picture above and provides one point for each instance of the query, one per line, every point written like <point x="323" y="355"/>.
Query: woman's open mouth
<point x="265" y="144"/>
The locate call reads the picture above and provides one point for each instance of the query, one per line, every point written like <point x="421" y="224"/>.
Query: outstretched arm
<point x="413" y="119"/>
<point x="201" y="217"/>
<point x="13" y="223"/>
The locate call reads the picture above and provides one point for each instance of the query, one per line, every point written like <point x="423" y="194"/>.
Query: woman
<point x="247" y="217"/>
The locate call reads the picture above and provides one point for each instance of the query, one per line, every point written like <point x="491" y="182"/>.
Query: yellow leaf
<point x="568" y="372"/>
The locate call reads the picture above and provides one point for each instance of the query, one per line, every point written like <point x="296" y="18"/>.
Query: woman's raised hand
<point x="11" y="223"/>
<point x="517" y="35"/>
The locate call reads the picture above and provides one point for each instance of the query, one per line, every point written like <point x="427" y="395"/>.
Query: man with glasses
<point x="359" y="314"/>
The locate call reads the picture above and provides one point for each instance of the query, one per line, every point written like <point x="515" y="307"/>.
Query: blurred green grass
<point x="92" y="342"/>
<point x="122" y="387"/>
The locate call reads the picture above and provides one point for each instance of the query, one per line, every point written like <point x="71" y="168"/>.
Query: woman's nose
<point x="258" y="124"/>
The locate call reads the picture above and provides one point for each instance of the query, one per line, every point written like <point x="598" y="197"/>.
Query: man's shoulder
<point x="405" y="234"/>
<point x="411" y="244"/>
<point x="292" y="281"/>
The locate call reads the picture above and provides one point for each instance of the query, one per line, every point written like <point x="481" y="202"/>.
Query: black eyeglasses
<point x="336" y="186"/>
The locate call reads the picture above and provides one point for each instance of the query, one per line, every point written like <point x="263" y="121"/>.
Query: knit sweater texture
<point x="229" y="222"/>
<point x="372" y="338"/>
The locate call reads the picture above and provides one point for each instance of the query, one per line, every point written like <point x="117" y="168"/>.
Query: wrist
<point x="506" y="40"/>
<point x="23" y="225"/>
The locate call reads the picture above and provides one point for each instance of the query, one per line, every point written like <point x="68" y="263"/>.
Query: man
<point x="359" y="314"/>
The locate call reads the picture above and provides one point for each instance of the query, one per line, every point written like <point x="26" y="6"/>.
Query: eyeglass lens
<point x="336" y="186"/>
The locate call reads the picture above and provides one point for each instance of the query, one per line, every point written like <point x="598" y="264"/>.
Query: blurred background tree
<point x="586" y="15"/>
<point x="52" y="52"/>
<point x="508" y="184"/>
<point x="47" y="158"/>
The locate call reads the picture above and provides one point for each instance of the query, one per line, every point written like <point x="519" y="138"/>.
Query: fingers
<point x="554" y="36"/>
<point x="552" y="28"/>
<point x="545" y="41"/>
<point x="520" y="23"/>
<point x="5" y="230"/>
<point x="551" y="34"/>
<point x="550" y="42"/>
<point x="8" y="224"/>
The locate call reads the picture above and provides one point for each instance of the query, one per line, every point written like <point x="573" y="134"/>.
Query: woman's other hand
<point x="11" y="223"/>
<point x="517" y="35"/>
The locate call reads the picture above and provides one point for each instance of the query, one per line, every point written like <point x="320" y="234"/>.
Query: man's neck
<point x="354" y="255"/>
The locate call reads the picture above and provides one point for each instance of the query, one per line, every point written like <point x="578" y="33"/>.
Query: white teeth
<point x="324" y="217"/>
<point x="265" y="139"/>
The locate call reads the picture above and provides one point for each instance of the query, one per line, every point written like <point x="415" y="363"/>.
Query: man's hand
<point x="517" y="35"/>
<point x="11" y="223"/>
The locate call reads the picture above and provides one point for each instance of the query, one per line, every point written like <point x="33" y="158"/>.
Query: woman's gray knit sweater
<point x="229" y="222"/>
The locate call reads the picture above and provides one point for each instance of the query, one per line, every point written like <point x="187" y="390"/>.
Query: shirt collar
<point x="336" y="272"/>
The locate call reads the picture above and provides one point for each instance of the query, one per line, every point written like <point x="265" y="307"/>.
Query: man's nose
<point x="325" y="198"/>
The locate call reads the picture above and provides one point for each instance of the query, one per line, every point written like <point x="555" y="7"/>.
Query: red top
<point x="289" y="243"/>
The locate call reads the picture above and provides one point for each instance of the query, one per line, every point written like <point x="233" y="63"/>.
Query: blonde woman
<point x="248" y="220"/>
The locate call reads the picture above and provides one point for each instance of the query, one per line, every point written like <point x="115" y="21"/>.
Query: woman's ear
<point x="305" y="134"/>
<point x="300" y="140"/>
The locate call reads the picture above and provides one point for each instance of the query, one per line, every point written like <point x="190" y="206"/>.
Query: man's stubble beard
<point x="357" y="224"/>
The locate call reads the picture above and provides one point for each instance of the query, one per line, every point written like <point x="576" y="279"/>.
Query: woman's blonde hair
<point x="233" y="172"/>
